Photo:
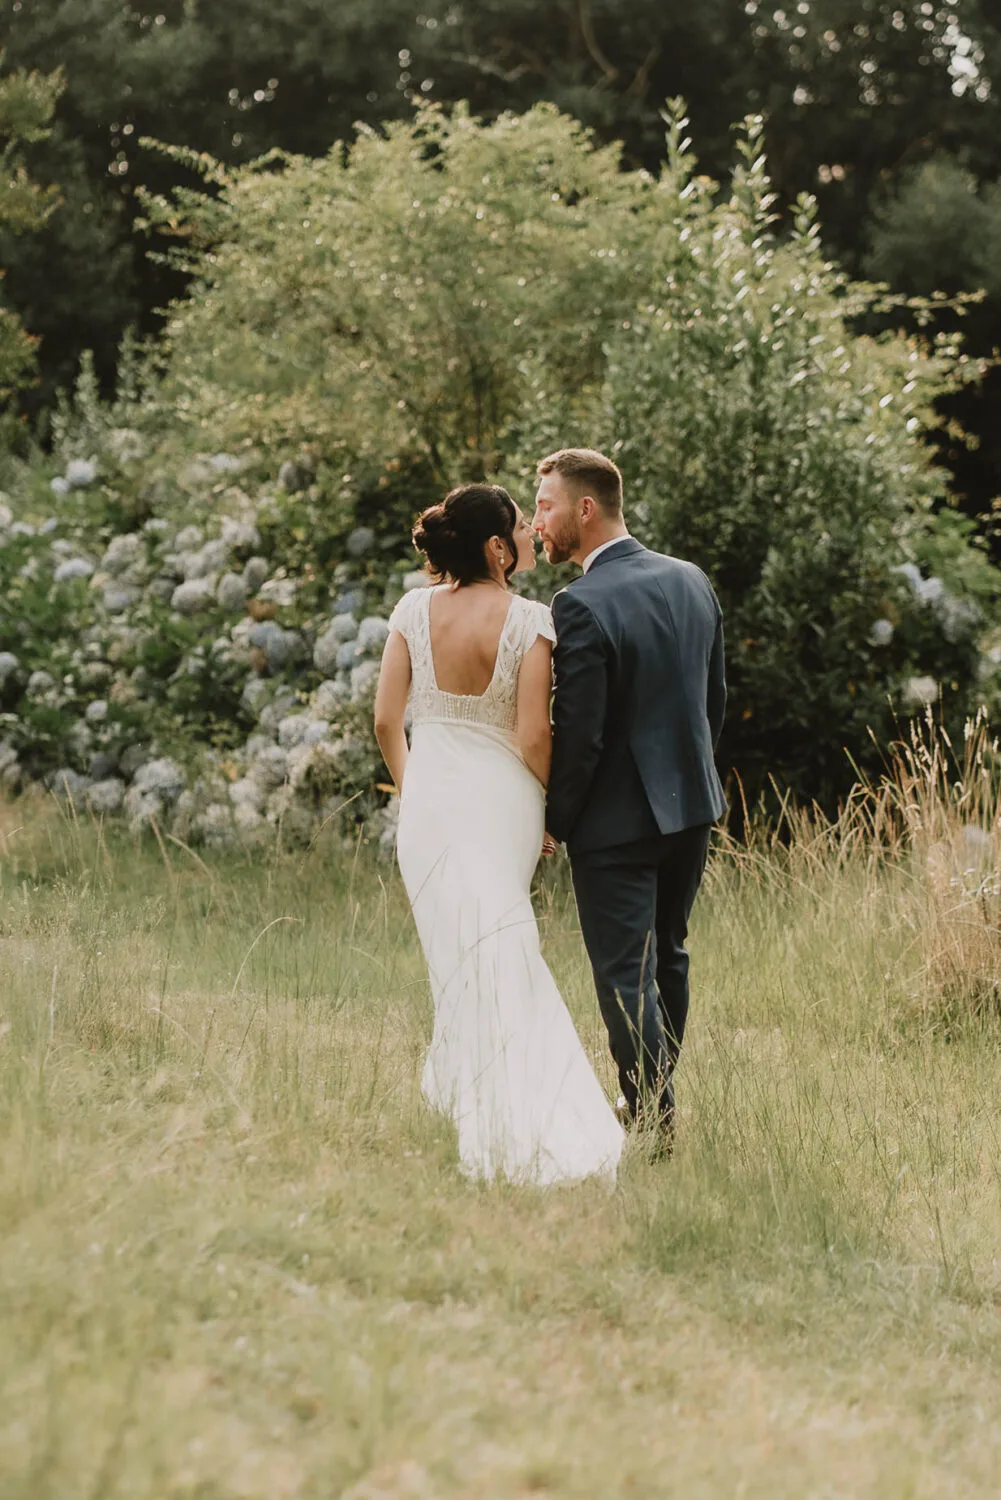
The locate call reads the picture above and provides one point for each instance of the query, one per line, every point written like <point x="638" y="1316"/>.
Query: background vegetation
<point x="446" y="300"/>
<point x="859" y="98"/>
<point x="462" y="298"/>
<point x="351" y="271"/>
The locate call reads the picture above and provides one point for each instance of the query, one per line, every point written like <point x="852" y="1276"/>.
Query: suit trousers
<point x="634" y="901"/>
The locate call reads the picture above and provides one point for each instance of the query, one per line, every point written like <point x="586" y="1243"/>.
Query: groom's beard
<point x="564" y="544"/>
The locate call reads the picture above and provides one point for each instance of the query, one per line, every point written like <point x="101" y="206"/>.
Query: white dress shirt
<point x="589" y="559"/>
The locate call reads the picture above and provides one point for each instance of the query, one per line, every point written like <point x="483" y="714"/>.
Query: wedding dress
<point x="505" y="1060"/>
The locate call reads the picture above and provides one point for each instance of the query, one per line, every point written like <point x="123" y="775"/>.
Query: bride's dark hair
<point x="453" y="533"/>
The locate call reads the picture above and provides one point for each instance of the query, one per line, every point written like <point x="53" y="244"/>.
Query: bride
<point x="473" y="660"/>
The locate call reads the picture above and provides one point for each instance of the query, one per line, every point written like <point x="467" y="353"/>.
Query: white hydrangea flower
<point x="880" y="633"/>
<point x="80" y="473"/>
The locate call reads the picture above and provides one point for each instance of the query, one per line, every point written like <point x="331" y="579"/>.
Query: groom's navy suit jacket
<point x="639" y="699"/>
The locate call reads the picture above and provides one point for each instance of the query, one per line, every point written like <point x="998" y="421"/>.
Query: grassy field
<point x="238" y="1258"/>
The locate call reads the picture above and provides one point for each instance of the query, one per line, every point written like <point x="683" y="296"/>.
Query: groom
<point x="638" y="707"/>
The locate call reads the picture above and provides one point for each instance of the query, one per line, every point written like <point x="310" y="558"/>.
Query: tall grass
<point x="844" y="1086"/>
<point x="239" y="1258"/>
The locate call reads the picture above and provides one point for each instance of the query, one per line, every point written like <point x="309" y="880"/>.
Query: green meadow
<point x="238" y="1258"/>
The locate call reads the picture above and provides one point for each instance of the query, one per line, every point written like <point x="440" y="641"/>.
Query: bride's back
<point x="466" y="626"/>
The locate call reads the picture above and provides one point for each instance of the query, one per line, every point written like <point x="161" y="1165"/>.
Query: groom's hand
<point x="549" y="844"/>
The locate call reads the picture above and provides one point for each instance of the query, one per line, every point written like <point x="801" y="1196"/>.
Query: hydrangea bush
<point x="182" y="672"/>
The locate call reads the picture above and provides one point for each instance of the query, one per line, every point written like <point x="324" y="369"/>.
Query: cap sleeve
<point x="403" y="614"/>
<point x="543" y="621"/>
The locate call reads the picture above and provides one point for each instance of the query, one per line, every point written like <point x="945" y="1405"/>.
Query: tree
<point x="231" y="81"/>
<point x="27" y="101"/>
<point x="853" y="90"/>
<point x="856" y="94"/>
<point x="939" y="230"/>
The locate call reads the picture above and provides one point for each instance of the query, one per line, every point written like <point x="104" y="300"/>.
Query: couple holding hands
<point x="591" y="724"/>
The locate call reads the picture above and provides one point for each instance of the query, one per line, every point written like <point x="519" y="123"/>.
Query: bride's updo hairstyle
<point x="453" y="534"/>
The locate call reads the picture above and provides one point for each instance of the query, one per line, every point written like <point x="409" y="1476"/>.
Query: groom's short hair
<point x="591" y="472"/>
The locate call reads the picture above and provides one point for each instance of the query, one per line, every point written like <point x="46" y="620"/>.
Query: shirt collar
<point x="589" y="559"/>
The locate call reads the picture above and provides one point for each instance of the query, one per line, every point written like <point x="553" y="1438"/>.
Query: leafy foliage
<point x="776" y="448"/>
<point x="26" y="105"/>
<point x="160" y="675"/>
<point x="404" y="296"/>
<point x="937" y="230"/>
<point x="455" y="299"/>
<point x="856" y="94"/>
<point x="231" y="81"/>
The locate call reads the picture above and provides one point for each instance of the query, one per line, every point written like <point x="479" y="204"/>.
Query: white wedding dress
<point x="505" y="1060"/>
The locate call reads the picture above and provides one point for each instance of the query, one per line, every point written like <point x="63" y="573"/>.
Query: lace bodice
<point x="497" y="707"/>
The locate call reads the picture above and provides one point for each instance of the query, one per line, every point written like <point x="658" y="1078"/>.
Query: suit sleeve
<point x="580" y="666"/>
<point x="716" y="689"/>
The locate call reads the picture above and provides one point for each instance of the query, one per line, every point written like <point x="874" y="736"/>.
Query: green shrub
<point x="766" y="440"/>
<point x="447" y="300"/>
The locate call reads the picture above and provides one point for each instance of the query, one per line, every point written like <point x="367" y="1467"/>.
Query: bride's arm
<point x="535" y="686"/>
<point x="391" y="706"/>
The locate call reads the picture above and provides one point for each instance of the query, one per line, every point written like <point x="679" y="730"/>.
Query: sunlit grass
<point x="239" y="1258"/>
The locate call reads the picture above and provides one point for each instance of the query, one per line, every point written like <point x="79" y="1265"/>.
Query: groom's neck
<point x="614" y="531"/>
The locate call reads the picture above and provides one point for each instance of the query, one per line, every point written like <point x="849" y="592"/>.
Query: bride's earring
<point x="497" y="550"/>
